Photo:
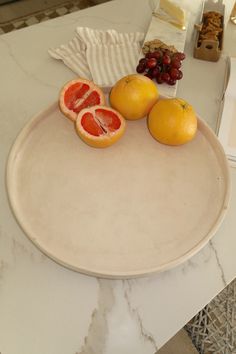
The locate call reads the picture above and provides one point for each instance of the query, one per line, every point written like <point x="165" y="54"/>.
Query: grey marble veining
<point x="95" y="341"/>
<point x="218" y="263"/>
<point x="144" y="333"/>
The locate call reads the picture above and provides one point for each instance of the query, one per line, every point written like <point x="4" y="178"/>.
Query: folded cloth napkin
<point x="103" y="56"/>
<point x="73" y="55"/>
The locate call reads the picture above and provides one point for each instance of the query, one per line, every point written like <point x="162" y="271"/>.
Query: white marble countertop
<point x="45" y="308"/>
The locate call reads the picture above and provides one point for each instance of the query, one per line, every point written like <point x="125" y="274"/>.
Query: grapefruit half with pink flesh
<point x="77" y="95"/>
<point x="100" y="126"/>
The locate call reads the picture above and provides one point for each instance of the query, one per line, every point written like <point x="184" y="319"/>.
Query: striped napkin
<point x="101" y="56"/>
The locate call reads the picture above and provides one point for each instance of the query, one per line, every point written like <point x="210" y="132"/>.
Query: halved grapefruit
<point x="77" y="95"/>
<point x="100" y="126"/>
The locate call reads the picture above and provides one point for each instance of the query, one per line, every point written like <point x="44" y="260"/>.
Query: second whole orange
<point x="172" y="121"/>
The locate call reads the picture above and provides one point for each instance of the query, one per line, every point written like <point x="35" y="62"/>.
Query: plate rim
<point x="117" y="274"/>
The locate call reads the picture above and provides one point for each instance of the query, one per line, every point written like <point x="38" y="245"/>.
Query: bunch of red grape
<point x="162" y="65"/>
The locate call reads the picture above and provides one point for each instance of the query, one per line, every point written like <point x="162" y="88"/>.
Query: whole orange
<point x="134" y="96"/>
<point x="172" y="121"/>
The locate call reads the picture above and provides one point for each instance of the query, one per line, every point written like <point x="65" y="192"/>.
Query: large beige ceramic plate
<point x="135" y="208"/>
